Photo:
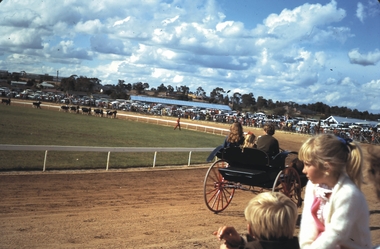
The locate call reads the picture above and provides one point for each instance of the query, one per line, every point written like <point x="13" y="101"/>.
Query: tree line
<point x="237" y="101"/>
<point x="241" y="102"/>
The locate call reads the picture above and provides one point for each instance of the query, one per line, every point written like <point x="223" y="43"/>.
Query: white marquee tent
<point x="348" y="121"/>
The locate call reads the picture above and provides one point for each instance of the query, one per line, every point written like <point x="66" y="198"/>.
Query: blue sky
<point x="306" y="52"/>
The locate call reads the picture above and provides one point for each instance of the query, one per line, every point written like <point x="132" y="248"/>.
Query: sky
<point x="300" y="51"/>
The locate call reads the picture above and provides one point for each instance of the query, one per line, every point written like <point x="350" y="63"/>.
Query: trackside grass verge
<point x="30" y="126"/>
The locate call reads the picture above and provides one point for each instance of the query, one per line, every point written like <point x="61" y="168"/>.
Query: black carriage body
<point x="250" y="166"/>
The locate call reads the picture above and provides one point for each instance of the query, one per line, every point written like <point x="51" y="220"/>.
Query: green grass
<point x="30" y="126"/>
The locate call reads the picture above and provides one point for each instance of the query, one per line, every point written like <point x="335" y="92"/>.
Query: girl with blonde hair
<point x="335" y="213"/>
<point x="249" y="141"/>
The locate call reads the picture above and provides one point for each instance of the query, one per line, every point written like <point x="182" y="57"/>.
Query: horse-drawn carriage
<point x="251" y="169"/>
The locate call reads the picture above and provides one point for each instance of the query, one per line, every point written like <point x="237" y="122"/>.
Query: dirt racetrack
<point x="140" y="208"/>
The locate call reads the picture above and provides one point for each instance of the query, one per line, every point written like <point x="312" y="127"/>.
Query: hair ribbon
<point x="345" y="141"/>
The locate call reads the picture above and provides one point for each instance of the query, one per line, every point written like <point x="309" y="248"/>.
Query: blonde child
<point x="249" y="141"/>
<point x="335" y="213"/>
<point x="271" y="218"/>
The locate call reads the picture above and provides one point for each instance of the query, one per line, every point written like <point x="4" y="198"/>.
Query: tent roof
<point x="18" y="83"/>
<point x="342" y="120"/>
<point x="45" y="84"/>
<point x="180" y="102"/>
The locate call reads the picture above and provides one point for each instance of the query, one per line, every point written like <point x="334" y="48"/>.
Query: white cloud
<point x="20" y="38"/>
<point x="167" y="54"/>
<point x="158" y="73"/>
<point x="120" y="22"/>
<point x="178" y="79"/>
<point x="372" y="90"/>
<point x="230" y="29"/>
<point x="106" y="45"/>
<point x="332" y="97"/>
<point x="170" y="20"/>
<point x="371" y="58"/>
<point x="360" y="12"/>
<point x="301" y="24"/>
<point x="89" y="27"/>
<point x="372" y="85"/>
<point x="347" y="82"/>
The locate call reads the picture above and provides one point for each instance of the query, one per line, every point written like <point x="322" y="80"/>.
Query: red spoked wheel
<point x="218" y="193"/>
<point x="288" y="182"/>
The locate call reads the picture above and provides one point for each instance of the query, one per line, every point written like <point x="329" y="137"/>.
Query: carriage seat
<point x="250" y="165"/>
<point x="244" y="175"/>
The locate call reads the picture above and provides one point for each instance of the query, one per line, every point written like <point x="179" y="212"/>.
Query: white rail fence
<point x="48" y="148"/>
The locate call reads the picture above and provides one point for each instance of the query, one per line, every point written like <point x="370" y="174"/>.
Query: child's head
<point x="236" y="128"/>
<point x="330" y="153"/>
<point x="271" y="216"/>
<point x="236" y="132"/>
<point x="269" y="128"/>
<point x="249" y="141"/>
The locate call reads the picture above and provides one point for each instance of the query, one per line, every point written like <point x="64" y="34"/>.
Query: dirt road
<point x="146" y="208"/>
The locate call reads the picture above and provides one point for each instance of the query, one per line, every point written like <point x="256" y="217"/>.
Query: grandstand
<point x="180" y="103"/>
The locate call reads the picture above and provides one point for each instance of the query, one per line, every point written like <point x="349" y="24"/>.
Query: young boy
<point x="267" y="142"/>
<point x="271" y="218"/>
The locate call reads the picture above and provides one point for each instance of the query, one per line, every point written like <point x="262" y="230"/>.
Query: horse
<point x="6" y="101"/>
<point x="64" y="108"/>
<point x="73" y="109"/>
<point x="86" y="110"/>
<point x="37" y="105"/>
<point x="374" y="168"/>
<point x="98" y="112"/>
<point x="111" y="114"/>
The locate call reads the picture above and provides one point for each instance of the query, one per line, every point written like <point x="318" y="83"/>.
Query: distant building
<point x="18" y="83"/>
<point x="46" y="85"/>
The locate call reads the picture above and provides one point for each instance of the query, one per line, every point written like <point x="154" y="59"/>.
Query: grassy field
<point x="30" y="126"/>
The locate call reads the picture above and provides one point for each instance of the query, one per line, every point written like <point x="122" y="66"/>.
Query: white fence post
<point x="188" y="164"/>
<point x="44" y="168"/>
<point x="154" y="159"/>
<point x="108" y="160"/>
